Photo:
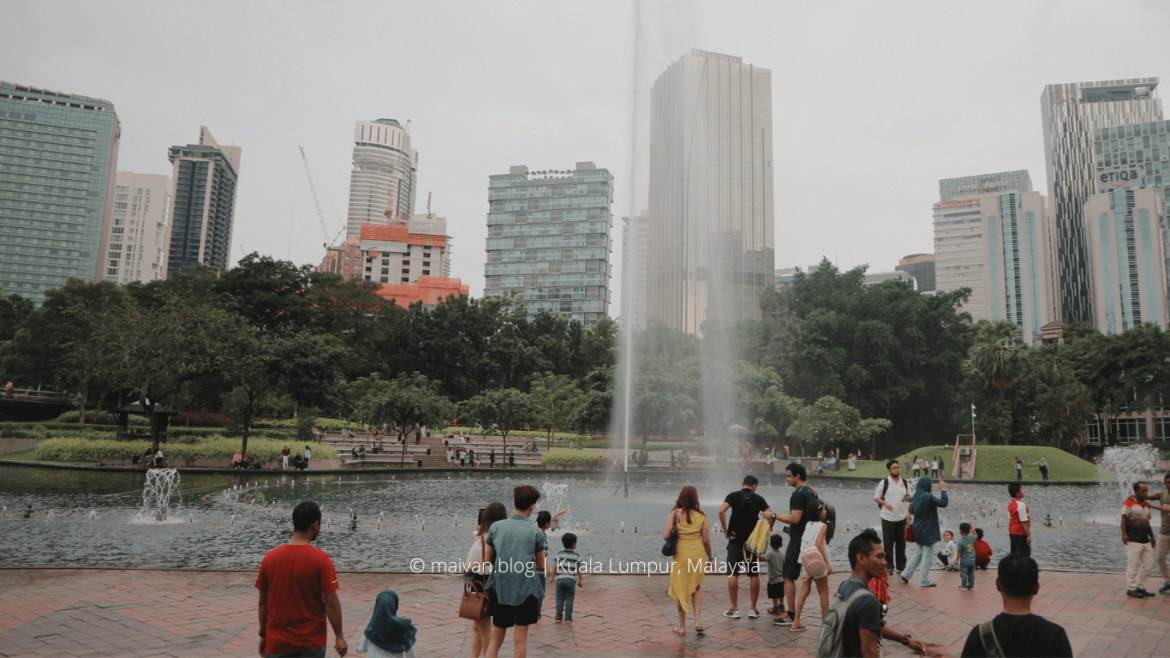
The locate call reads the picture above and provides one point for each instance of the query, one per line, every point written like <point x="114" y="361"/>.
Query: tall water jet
<point x="161" y="484"/>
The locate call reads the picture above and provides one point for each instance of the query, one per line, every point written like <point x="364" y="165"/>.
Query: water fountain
<point x="161" y="484"/>
<point x="554" y="498"/>
<point x="1129" y="464"/>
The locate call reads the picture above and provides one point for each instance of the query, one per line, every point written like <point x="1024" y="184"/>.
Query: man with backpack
<point x="746" y="506"/>
<point x="892" y="497"/>
<point x="854" y="626"/>
<point x="1016" y="631"/>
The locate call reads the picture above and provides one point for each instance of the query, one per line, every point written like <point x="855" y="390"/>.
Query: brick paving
<point x="51" y="612"/>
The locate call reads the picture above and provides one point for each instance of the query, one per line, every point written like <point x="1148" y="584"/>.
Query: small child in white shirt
<point x="949" y="555"/>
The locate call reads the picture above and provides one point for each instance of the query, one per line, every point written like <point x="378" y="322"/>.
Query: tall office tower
<point x="548" y="240"/>
<point x="203" y="208"/>
<point x="385" y="172"/>
<point x="1135" y="156"/>
<point x="921" y="267"/>
<point x="635" y="243"/>
<point x="711" y="215"/>
<point x="996" y="236"/>
<point x="1127" y="260"/>
<point x="140" y="230"/>
<point x="59" y="153"/>
<point x="1071" y="113"/>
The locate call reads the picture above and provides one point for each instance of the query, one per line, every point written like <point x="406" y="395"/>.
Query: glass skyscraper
<point x="385" y="174"/>
<point x="548" y="240"/>
<point x="1071" y="113"/>
<point x="203" y="215"/>
<point x="710" y="199"/>
<point x="58" y="155"/>
<point x="1126" y="259"/>
<point x="1132" y="157"/>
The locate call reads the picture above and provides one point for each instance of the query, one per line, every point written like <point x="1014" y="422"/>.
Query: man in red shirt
<point x="298" y="591"/>
<point x="1020" y="526"/>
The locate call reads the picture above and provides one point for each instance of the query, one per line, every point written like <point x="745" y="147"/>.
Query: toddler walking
<point x="775" y="559"/>
<point x="567" y="577"/>
<point x="966" y="549"/>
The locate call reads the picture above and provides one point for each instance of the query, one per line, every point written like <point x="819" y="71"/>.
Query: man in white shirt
<point x="891" y="497"/>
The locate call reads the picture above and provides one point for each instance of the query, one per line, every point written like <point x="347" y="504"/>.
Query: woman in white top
<point x="813" y="568"/>
<point x="450" y="454"/>
<point x="478" y="570"/>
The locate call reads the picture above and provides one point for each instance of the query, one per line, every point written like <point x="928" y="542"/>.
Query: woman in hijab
<point x="924" y="508"/>
<point x="387" y="635"/>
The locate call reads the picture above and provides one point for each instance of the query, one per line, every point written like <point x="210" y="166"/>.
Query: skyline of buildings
<point x="140" y="230"/>
<point x="60" y="154"/>
<point x="1070" y="114"/>
<point x="549" y="240"/>
<point x="711" y="238"/>
<point x="203" y="207"/>
<point x="921" y="267"/>
<point x="384" y="178"/>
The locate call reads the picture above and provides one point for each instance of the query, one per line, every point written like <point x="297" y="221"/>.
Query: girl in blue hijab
<point x="924" y="507"/>
<point x="388" y="635"/>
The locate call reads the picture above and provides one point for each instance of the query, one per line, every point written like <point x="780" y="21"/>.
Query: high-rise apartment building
<point x="711" y="215"/>
<point x="384" y="176"/>
<point x="140" y="230"/>
<point x="921" y="267"/>
<point x="206" y="176"/>
<point x="1127" y="259"/>
<point x="996" y="236"/>
<point x="1071" y="114"/>
<point x="635" y="259"/>
<point x="548" y="240"/>
<point x="58" y="155"/>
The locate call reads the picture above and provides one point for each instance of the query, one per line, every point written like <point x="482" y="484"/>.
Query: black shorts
<point x="525" y="614"/>
<point x="737" y="566"/>
<point x="776" y="590"/>
<point x="791" y="557"/>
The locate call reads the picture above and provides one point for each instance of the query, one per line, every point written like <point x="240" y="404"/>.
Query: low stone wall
<point x="17" y="445"/>
<point x="314" y="464"/>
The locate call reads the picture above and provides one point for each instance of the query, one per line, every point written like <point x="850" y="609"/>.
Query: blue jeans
<point x="566" y="592"/>
<point x="967" y="574"/>
<point x="921" y="555"/>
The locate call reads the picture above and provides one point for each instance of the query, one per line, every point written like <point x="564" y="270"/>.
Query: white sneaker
<point x="753" y="613"/>
<point x="732" y="614"/>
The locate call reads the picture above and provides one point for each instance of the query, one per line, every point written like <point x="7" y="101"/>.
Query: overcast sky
<point x="873" y="103"/>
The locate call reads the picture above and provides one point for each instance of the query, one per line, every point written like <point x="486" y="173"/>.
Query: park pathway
<point x="68" y="612"/>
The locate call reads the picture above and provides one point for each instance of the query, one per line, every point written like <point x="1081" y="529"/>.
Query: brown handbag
<point x="476" y="604"/>
<point x="910" y="525"/>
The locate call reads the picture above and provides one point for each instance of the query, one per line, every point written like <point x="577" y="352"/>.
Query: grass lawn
<point x="994" y="463"/>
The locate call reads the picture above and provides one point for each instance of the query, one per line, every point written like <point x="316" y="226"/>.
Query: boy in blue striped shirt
<point x="567" y="577"/>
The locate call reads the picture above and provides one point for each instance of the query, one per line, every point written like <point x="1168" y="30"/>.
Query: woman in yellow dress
<point x="692" y="555"/>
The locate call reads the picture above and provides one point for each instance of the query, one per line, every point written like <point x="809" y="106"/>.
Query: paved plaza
<point x="51" y="612"/>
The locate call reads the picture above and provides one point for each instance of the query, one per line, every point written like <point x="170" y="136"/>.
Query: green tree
<point x="826" y="420"/>
<point x="997" y="361"/>
<point x="553" y="398"/>
<point x="408" y="401"/>
<point x="1063" y="406"/>
<point x="666" y="379"/>
<point x="505" y="409"/>
<point x="14" y="309"/>
<point x="761" y="401"/>
<point x="153" y="353"/>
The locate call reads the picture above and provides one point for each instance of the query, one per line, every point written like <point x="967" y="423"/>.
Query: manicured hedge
<point x="80" y="448"/>
<point x="330" y="424"/>
<point x="101" y="418"/>
<point x="564" y="457"/>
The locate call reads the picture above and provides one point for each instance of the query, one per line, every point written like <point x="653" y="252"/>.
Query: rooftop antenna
<point x="429" y="204"/>
<point x="408" y="125"/>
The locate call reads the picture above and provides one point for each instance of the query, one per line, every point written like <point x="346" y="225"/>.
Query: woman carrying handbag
<point x="477" y="604"/>
<point x="692" y="554"/>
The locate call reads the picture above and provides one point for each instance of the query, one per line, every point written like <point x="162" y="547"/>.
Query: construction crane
<point x="317" y="203"/>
